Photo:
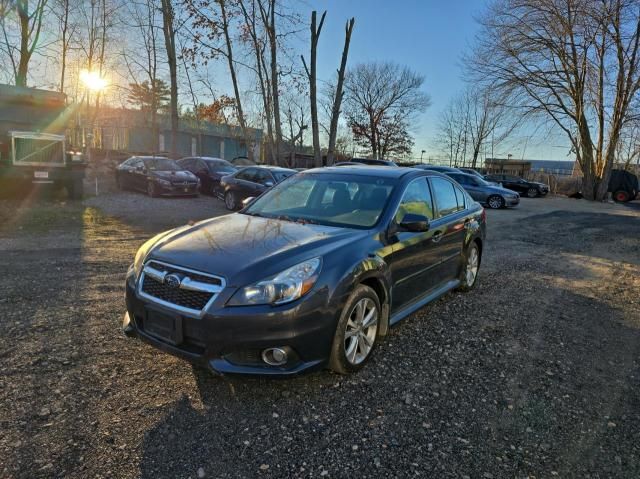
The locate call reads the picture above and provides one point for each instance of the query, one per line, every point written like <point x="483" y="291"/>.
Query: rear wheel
<point x="495" y="202"/>
<point x="357" y="331"/>
<point x="532" y="192"/>
<point x="621" y="196"/>
<point x="230" y="200"/>
<point x="471" y="267"/>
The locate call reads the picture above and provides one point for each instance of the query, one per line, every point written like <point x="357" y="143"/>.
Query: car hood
<point x="243" y="248"/>
<point x="174" y="175"/>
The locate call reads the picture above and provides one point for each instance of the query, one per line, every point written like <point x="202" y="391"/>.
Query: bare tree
<point x="453" y="131"/>
<point x="20" y="48"/>
<point x="573" y="62"/>
<point x="381" y="100"/>
<point x="62" y="10"/>
<point x="339" y="93"/>
<point x="268" y="14"/>
<point x="316" y="29"/>
<point x="168" y="28"/>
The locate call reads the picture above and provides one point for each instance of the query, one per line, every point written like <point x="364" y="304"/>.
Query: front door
<point x="414" y="257"/>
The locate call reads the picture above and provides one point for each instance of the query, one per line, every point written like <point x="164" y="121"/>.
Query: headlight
<point x="284" y="287"/>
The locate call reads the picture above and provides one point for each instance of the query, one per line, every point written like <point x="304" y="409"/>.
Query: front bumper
<point x="512" y="201"/>
<point x="177" y="190"/>
<point x="229" y="340"/>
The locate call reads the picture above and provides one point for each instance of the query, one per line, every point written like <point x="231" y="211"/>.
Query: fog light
<point x="274" y="356"/>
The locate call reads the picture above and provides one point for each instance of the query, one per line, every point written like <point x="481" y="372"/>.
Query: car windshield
<point x="220" y="167"/>
<point x="328" y="199"/>
<point x="161" y="164"/>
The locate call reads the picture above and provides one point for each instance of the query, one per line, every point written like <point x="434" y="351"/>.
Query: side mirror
<point x="414" y="223"/>
<point x="140" y="168"/>
<point x="247" y="201"/>
<point x="268" y="184"/>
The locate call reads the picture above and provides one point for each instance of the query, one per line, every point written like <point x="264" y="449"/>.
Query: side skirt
<point x="422" y="301"/>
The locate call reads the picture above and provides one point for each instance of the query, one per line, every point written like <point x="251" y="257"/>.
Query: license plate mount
<point x="163" y="326"/>
<point x="41" y="175"/>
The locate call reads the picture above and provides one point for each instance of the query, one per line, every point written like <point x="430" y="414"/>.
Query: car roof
<point x="436" y="168"/>
<point x="210" y="158"/>
<point x="269" y="167"/>
<point x="368" y="170"/>
<point x="153" y="158"/>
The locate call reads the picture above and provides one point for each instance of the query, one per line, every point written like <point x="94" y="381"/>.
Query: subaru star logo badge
<point x="172" y="280"/>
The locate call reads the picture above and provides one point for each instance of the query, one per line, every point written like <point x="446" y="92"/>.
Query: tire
<point x="471" y="256"/>
<point x="532" y="192"/>
<point x="230" y="200"/>
<point x="621" y="196"/>
<point x="151" y="189"/>
<point x="495" y="202"/>
<point x="352" y="345"/>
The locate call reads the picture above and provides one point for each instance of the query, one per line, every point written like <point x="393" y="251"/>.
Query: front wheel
<point x="471" y="267"/>
<point x="357" y="331"/>
<point x="230" y="200"/>
<point x="532" y="192"/>
<point x="495" y="202"/>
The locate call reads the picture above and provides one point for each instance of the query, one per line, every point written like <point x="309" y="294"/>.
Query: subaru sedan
<point x="311" y="274"/>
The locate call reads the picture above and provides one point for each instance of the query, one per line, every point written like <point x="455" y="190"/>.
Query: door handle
<point x="437" y="236"/>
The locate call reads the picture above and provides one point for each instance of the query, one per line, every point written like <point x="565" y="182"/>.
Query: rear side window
<point x="444" y="194"/>
<point x="416" y="200"/>
<point x="461" y="197"/>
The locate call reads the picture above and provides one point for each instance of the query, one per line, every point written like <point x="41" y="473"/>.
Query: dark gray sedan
<point x="484" y="192"/>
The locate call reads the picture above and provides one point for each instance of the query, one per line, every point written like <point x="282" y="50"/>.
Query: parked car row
<point x="235" y="182"/>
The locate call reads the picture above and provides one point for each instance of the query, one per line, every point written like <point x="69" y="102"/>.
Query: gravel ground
<point x="533" y="374"/>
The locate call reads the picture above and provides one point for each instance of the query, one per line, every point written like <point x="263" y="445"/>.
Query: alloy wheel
<point x="230" y="200"/>
<point x="361" y="331"/>
<point x="495" y="202"/>
<point x="473" y="262"/>
<point x="532" y="192"/>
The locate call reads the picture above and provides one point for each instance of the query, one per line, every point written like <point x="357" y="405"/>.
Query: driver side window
<point x="416" y="200"/>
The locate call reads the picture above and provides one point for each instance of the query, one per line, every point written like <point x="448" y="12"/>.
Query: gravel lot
<point x="533" y="374"/>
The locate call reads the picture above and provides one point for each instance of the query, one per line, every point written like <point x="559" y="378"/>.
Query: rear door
<point x="449" y="226"/>
<point x="245" y="183"/>
<point x="138" y="175"/>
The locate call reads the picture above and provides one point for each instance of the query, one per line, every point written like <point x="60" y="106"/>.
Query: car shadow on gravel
<point x="547" y="386"/>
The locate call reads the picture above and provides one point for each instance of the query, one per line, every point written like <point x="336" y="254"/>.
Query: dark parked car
<point x="310" y="274"/>
<point x="250" y="182"/>
<point x="476" y="173"/>
<point x="483" y="192"/>
<point x="529" y="188"/>
<point x="439" y="169"/>
<point x="209" y="171"/>
<point x="156" y="176"/>
<point x="623" y="186"/>
<point x="372" y="162"/>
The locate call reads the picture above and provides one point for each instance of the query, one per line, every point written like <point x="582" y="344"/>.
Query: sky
<point x="429" y="36"/>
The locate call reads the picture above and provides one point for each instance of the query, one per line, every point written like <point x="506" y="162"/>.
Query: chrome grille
<point x="189" y="296"/>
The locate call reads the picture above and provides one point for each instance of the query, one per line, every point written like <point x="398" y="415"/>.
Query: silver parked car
<point x="483" y="192"/>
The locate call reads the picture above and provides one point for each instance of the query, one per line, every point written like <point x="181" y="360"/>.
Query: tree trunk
<point x="25" y="54"/>
<point x="269" y="20"/>
<point x="337" y="100"/>
<point x="170" y="44"/>
<point x="234" y="79"/>
<point x="311" y="75"/>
